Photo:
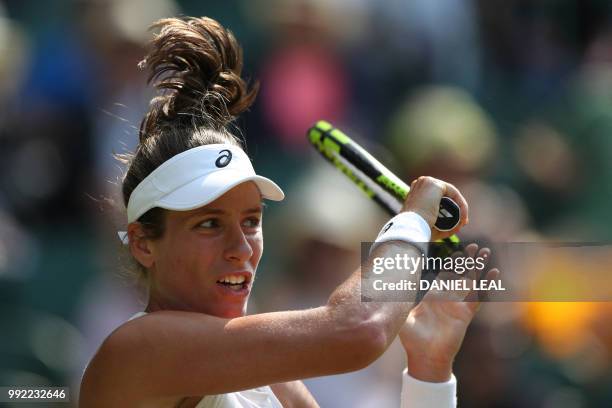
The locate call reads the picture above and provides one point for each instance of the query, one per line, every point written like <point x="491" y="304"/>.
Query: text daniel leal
<point x="459" y="284"/>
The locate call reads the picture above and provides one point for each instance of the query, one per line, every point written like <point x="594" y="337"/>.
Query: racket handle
<point x="449" y="215"/>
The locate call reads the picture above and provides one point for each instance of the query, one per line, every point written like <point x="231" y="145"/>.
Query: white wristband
<point x="408" y="227"/>
<point x="422" y="394"/>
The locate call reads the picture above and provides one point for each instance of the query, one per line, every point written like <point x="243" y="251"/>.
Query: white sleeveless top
<point x="261" y="397"/>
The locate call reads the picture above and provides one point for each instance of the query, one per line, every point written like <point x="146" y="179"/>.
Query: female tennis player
<point x="194" y="210"/>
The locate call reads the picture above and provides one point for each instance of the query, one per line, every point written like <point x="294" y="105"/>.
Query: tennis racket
<point x="373" y="178"/>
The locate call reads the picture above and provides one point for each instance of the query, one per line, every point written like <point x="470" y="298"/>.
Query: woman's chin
<point x="231" y="311"/>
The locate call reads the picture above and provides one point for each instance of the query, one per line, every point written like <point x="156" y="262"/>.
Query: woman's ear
<point x="140" y="245"/>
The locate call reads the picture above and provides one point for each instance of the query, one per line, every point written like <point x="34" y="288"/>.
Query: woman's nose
<point x="238" y="248"/>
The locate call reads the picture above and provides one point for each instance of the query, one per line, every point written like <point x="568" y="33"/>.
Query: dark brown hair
<point x="195" y="65"/>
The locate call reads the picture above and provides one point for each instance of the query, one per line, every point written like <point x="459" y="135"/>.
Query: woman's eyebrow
<point x="210" y="211"/>
<point x="219" y="211"/>
<point x="257" y="209"/>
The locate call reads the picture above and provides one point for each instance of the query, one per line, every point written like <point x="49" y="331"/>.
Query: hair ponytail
<point x="195" y="64"/>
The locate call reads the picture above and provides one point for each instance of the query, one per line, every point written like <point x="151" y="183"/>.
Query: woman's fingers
<point x="473" y="298"/>
<point x="485" y="255"/>
<point x="424" y="198"/>
<point x="470" y="249"/>
<point x="453" y="192"/>
<point x="425" y="195"/>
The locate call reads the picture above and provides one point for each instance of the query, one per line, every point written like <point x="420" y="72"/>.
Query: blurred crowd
<point x="511" y="100"/>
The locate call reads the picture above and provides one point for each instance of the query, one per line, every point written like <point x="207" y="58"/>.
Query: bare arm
<point x="175" y="353"/>
<point x="172" y="353"/>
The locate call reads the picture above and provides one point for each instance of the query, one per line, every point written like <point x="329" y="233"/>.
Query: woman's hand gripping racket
<point x="374" y="179"/>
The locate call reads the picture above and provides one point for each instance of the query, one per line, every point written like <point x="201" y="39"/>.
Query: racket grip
<point x="449" y="215"/>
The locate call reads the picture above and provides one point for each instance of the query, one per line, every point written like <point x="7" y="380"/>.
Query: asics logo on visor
<point x="225" y="157"/>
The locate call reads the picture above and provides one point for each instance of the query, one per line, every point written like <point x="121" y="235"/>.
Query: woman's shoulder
<point x="132" y="338"/>
<point x="110" y="363"/>
<point x="118" y="334"/>
<point x="136" y="315"/>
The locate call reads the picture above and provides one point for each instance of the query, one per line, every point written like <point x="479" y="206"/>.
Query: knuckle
<point x="425" y="181"/>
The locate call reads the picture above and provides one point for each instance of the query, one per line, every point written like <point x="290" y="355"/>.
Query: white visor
<point x="195" y="178"/>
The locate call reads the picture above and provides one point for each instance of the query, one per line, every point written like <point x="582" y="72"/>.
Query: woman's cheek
<point x="257" y="246"/>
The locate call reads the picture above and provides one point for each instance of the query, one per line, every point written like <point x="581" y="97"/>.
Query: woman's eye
<point x="211" y="223"/>
<point x="252" y="222"/>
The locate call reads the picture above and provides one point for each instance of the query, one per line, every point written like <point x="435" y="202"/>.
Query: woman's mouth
<point x="236" y="284"/>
